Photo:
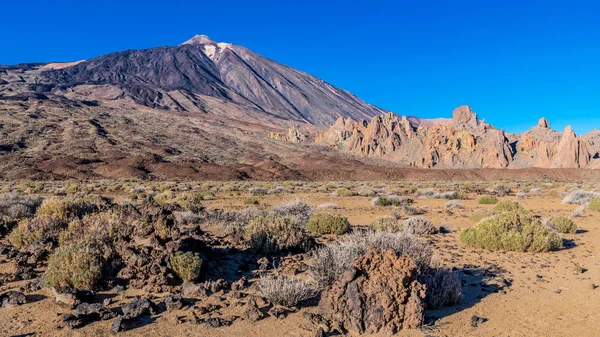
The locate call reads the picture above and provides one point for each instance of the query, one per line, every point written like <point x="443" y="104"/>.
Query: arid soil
<point x="505" y="293"/>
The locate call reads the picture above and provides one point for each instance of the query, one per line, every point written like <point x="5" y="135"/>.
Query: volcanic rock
<point x="379" y="293"/>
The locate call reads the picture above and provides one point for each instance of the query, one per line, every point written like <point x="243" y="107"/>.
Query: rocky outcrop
<point x="293" y="136"/>
<point x="465" y="143"/>
<point x="379" y="293"/>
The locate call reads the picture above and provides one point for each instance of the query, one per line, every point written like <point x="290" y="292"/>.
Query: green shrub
<point x="488" y="200"/>
<point x="507" y="206"/>
<point x="328" y="224"/>
<point x="344" y="192"/>
<point x="35" y="231"/>
<point x="561" y="224"/>
<point x="594" y="205"/>
<point x="272" y="234"/>
<point x="251" y="201"/>
<point x="386" y="224"/>
<point x="480" y="214"/>
<point x="77" y="266"/>
<point x="186" y="265"/>
<point x="512" y="231"/>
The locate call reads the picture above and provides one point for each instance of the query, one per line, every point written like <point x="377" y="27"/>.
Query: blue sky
<point x="511" y="61"/>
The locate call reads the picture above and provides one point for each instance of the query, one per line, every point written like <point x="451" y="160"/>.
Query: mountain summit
<point x="177" y="78"/>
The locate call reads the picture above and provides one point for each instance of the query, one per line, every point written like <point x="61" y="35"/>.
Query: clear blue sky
<point x="511" y="61"/>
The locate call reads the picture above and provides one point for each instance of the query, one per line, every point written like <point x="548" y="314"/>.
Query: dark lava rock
<point x="12" y="298"/>
<point x="476" y="320"/>
<point x="173" y="302"/>
<point x="217" y="322"/>
<point x="252" y="313"/>
<point x="85" y="313"/>
<point x="138" y="307"/>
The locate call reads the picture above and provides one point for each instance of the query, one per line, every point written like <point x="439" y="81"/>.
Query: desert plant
<point x="328" y="206"/>
<point x="63" y="209"/>
<point x="501" y="190"/>
<point x="391" y="200"/>
<point x="344" y="192"/>
<point x="594" y="204"/>
<point x="297" y="209"/>
<point x="77" y="266"/>
<point x="418" y="226"/>
<point x="186" y="265"/>
<point x="35" y="231"/>
<point x="328" y="224"/>
<point x="272" y="234"/>
<point x="412" y="210"/>
<point x="251" y="201"/>
<point x="453" y="204"/>
<point x="580" y="197"/>
<point x="443" y="287"/>
<point x="512" y="231"/>
<point x="286" y="291"/>
<point x="487" y="200"/>
<point x="579" y="211"/>
<point x="507" y="206"/>
<point x="386" y="223"/>
<point x="366" y="192"/>
<point x="480" y="214"/>
<point x="330" y="262"/>
<point x="18" y="206"/>
<point x="257" y="191"/>
<point x="561" y="224"/>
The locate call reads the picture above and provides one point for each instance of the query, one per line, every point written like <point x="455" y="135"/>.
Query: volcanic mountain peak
<point x="200" y="39"/>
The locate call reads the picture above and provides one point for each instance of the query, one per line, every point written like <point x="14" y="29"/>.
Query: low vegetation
<point x="488" y="200"/>
<point x="561" y="224"/>
<point x="186" y="265"/>
<point x="328" y="224"/>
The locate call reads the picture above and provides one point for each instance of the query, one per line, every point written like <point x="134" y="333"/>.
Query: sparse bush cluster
<point x="512" y="230"/>
<point x="580" y="197"/>
<point x="488" y="200"/>
<point x="561" y="224"/>
<point x="286" y="291"/>
<point x="328" y="224"/>
<point x="77" y="266"/>
<point x="186" y="265"/>
<point x="272" y="234"/>
<point x="391" y="200"/>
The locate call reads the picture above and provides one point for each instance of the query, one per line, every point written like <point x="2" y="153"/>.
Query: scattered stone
<point x="320" y="333"/>
<point x="85" y="313"/>
<point x="11" y="298"/>
<point x="379" y="293"/>
<point x="33" y="286"/>
<point x="239" y="284"/>
<point x="173" y="302"/>
<point x="138" y="307"/>
<point x="217" y="322"/>
<point x="476" y="320"/>
<point x="107" y="302"/>
<point x="69" y="298"/>
<point x="189" y="289"/>
<point x="252" y="313"/>
<point x="278" y="312"/>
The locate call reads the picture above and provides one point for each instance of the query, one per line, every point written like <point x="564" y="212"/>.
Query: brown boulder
<point x="379" y="293"/>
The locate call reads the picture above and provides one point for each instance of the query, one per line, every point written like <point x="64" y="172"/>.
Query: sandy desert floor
<point x="518" y="294"/>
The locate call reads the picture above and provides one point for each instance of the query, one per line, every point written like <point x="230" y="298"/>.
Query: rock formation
<point x="379" y="293"/>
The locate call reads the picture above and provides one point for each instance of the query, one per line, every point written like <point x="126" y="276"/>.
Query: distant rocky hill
<point x="462" y="142"/>
<point x="207" y="110"/>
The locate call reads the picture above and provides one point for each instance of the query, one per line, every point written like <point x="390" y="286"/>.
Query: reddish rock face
<point x="465" y="143"/>
<point x="379" y="293"/>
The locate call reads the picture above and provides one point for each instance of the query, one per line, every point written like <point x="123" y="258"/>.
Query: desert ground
<point x="502" y="292"/>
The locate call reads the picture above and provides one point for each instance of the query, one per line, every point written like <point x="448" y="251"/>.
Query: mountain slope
<point x="202" y="67"/>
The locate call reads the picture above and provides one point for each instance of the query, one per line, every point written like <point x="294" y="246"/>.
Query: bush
<point x="501" y="190"/>
<point x="328" y="224"/>
<point x="578" y="212"/>
<point x="296" y="209"/>
<point x="330" y="262"/>
<point x="391" y="200"/>
<point x="594" y="204"/>
<point x="35" y="231"/>
<point x="328" y="206"/>
<point x="386" y="223"/>
<point x="251" y="201"/>
<point x="257" y="191"/>
<point x="271" y="234"/>
<point x="286" y="291"/>
<point x="443" y="288"/>
<point x="580" y="197"/>
<point x="412" y="210"/>
<point x="453" y="204"/>
<point x="186" y="265"/>
<point x="507" y="206"/>
<point x="418" y="226"/>
<point x="16" y="206"/>
<point x="488" y="200"/>
<point x="77" y="266"/>
<point x="561" y="224"/>
<point x="480" y="214"/>
<point x="344" y="192"/>
<point x="512" y="231"/>
<point x="190" y="201"/>
<point x="63" y="209"/>
<point x="366" y="192"/>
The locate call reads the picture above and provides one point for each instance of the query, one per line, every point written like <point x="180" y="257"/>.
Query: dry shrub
<point x="443" y="288"/>
<point x="64" y="209"/>
<point x="272" y="234"/>
<point x="561" y="224"/>
<point x="453" y="204"/>
<point x="186" y="265"/>
<point x="418" y="226"/>
<point x="77" y="266"/>
<point x="297" y="209"/>
<point x="330" y="262"/>
<point x="481" y="214"/>
<point x="391" y="200"/>
<point x="35" y="231"/>
<point x="18" y="206"/>
<point x="327" y="206"/>
<point x="507" y="206"/>
<point x="512" y="231"/>
<point x="580" y="197"/>
<point x="386" y="223"/>
<point x="286" y="291"/>
<point x="328" y="224"/>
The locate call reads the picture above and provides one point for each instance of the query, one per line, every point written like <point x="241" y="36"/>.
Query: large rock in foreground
<point x="379" y="293"/>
